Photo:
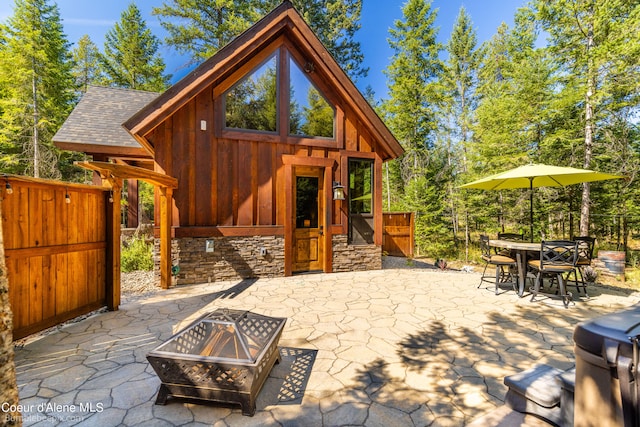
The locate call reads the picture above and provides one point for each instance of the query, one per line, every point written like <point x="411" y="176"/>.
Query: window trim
<point x="369" y="216"/>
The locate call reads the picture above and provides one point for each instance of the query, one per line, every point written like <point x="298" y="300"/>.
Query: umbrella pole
<point x="531" y="208"/>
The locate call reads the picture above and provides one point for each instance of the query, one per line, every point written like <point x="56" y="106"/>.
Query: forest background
<point x="461" y="109"/>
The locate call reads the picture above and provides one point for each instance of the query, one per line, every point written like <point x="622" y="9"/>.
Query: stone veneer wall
<point x="348" y="257"/>
<point x="233" y="258"/>
<point x="236" y="258"/>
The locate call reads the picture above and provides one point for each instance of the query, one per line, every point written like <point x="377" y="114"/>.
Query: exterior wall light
<point x="67" y="198"/>
<point x="338" y="191"/>
<point x="7" y="186"/>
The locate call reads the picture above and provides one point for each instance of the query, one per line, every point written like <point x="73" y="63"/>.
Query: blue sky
<point x="95" y="18"/>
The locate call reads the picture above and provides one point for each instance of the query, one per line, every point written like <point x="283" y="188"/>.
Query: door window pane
<point x="306" y="202"/>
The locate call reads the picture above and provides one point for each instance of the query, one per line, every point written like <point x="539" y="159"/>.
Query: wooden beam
<point x="130" y="172"/>
<point x="113" y="247"/>
<point x="166" y="195"/>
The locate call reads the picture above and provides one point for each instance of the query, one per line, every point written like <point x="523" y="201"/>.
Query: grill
<point x="224" y="356"/>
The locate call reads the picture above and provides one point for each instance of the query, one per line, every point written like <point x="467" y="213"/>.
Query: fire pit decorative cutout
<point x="224" y="356"/>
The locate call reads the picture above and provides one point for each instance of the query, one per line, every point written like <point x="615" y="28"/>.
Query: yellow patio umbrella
<point x="538" y="175"/>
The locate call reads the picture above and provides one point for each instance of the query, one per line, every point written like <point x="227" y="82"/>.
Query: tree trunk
<point x="36" y="153"/>
<point x="8" y="384"/>
<point x="585" y="208"/>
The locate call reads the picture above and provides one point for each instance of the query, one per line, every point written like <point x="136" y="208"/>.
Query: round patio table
<point x="521" y="249"/>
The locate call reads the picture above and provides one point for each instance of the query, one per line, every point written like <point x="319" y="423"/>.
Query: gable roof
<point x="283" y="19"/>
<point x="95" y="124"/>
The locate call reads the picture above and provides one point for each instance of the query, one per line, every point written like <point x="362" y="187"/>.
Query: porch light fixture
<point x="7" y="185"/>
<point x="309" y="67"/>
<point x="67" y="198"/>
<point x="338" y="191"/>
<point x="111" y="196"/>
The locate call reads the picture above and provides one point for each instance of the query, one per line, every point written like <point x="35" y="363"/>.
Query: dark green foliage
<point x="136" y="255"/>
<point x="130" y="58"/>
<point x="36" y="90"/>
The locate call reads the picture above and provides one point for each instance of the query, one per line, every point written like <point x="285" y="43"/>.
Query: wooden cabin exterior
<point x="259" y="138"/>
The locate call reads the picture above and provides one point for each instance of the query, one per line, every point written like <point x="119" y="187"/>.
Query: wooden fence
<point x="398" y="236"/>
<point x="58" y="249"/>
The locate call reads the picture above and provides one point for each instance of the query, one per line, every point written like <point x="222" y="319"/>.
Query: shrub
<point x="136" y="255"/>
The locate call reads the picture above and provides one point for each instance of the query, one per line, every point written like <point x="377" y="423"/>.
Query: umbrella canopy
<point x="538" y="175"/>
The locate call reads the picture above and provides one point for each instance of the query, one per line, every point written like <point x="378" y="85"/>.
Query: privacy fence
<point x="58" y="250"/>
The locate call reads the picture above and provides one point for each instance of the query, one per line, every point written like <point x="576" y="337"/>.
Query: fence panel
<point x="56" y="239"/>
<point x="398" y="235"/>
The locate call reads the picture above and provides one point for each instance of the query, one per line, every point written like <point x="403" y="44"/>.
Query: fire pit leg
<point x="248" y="406"/>
<point x="163" y="393"/>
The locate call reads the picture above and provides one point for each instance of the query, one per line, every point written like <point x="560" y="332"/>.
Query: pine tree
<point x="461" y="77"/>
<point x="200" y="28"/>
<point x="412" y="113"/>
<point x="598" y="46"/>
<point x="86" y="58"/>
<point x="460" y="80"/>
<point x="36" y="89"/>
<point x="131" y="59"/>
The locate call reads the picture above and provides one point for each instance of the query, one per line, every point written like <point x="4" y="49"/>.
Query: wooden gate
<point x="398" y="237"/>
<point x="58" y="243"/>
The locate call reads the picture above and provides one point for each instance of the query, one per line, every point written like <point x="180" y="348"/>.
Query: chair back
<point x="558" y="253"/>
<point x="511" y="236"/>
<point x="585" y="247"/>
<point x="484" y="246"/>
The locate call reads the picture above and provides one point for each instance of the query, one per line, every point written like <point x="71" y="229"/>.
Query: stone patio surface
<point x="395" y="347"/>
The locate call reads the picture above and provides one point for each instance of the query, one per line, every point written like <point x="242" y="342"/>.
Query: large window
<point x="253" y="103"/>
<point x="309" y="112"/>
<point x="361" y="223"/>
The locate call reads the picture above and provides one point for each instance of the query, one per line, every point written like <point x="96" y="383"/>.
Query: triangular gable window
<point x="253" y="102"/>
<point x="310" y="114"/>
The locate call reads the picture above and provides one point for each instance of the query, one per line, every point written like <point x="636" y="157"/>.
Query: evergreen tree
<point x="86" y="58"/>
<point x="200" y="28"/>
<point x="130" y="57"/>
<point x="461" y="78"/>
<point x="598" y="46"/>
<point x="412" y="113"/>
<point x="36" y="89"/>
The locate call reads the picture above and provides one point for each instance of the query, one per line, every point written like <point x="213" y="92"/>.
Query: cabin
<point x="276" y="156"/>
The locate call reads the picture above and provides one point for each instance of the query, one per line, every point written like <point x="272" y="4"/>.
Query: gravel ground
<point x="138" y="284"/>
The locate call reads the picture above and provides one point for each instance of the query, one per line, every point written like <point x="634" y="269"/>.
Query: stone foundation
<point x="232" y="258"/>
<point x="235" y="258"/>
<point x="348" y="257"/>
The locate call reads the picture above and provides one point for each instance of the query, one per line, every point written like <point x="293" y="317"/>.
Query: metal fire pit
<point x="224" y="356"/>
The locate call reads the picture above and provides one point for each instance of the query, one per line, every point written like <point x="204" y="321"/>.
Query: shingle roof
<point x="95" y="124"/>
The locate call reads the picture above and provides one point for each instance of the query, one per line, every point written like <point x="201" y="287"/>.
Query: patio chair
<point x="504" y="266"/>
<point x="583" y="259"/>
<point x="557" y="257"/>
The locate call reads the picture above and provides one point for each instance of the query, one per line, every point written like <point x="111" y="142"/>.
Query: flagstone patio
<point x="395" y="347"/>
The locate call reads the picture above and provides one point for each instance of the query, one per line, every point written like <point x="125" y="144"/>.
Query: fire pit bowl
<point x="224" y="356"/>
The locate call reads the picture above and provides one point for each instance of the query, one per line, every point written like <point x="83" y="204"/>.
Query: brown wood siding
<point x="236" y="178"/>
<point x="55" y="252"/>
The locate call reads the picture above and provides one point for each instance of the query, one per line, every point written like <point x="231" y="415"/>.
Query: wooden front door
<point x="308" y="201"/>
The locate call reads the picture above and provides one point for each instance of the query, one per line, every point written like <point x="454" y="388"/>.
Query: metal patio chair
<point x="505" y="266"/>
<point x="557" y="258"/>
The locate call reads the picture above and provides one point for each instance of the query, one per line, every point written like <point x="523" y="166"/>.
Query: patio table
<point x="521" y="250"/>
